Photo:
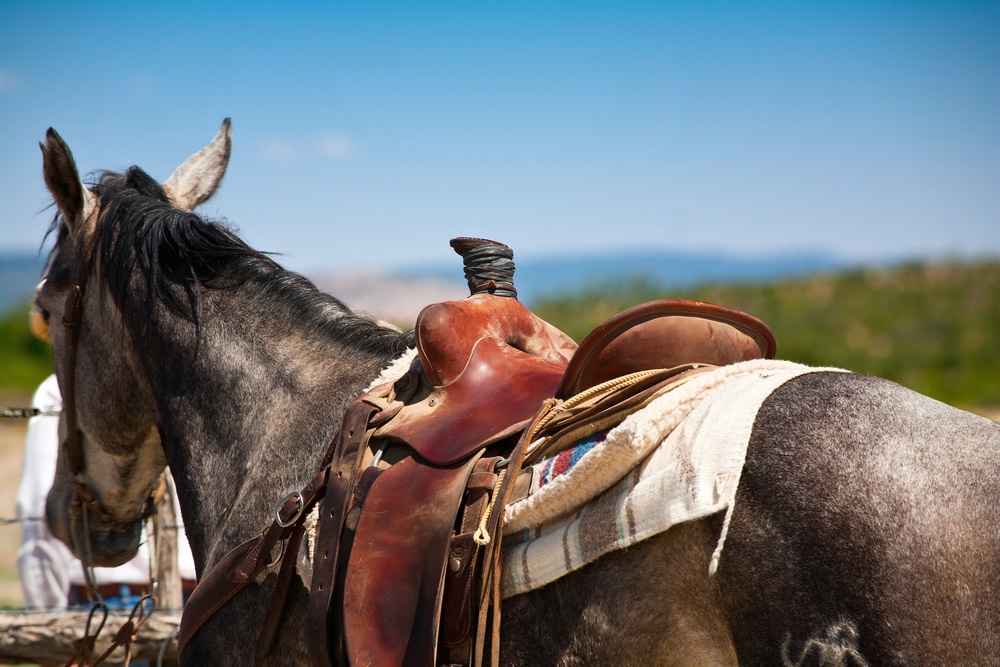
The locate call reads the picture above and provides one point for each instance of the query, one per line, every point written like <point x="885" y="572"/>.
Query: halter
<point x="83" y="496"/>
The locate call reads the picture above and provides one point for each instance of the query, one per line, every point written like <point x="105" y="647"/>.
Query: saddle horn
<point x="489" y="266"/>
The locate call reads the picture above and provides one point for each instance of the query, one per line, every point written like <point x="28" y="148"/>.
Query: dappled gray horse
<point x="865" y="522"/>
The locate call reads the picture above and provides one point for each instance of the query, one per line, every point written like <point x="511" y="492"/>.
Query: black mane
<point x="181" y="254"/>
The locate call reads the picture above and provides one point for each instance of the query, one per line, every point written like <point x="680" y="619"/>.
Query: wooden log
<point x="47" y="638"/>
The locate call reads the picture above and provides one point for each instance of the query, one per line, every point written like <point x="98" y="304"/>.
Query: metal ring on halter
<point x="295" y="517"/>
<point x="281" y="554"/>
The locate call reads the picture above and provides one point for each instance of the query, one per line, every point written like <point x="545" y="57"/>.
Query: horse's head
<point x="111" y="459"/>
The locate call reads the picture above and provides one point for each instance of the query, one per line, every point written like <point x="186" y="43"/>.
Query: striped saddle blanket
<point x="678" y="459"/>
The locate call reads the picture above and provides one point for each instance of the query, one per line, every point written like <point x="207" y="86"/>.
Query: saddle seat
<point x="487" y="363"/>
<point x="484" y="367"/>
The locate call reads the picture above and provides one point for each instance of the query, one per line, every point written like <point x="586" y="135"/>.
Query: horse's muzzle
<point x="92" y="540"/>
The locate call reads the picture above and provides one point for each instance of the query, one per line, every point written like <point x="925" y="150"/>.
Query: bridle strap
<point x="71" y="321"/>
<point x="76" y="463"/>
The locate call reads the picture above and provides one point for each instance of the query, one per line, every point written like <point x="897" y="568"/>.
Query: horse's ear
<point x="198" y="178"/>
<point x="75" y="201"/>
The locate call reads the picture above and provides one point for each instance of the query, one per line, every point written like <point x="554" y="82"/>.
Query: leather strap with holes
<point x="327" y="647"/>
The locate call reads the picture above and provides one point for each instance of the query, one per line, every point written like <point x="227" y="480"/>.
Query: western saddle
<point x="410" y="493"/>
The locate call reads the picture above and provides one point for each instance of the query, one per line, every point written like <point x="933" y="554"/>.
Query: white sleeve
<point x="42" y="560"/>
<point x="46" y="567"/>
<point x="185" y="559"/>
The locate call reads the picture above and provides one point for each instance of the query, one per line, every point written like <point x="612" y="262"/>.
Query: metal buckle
<point x="295" y="517"/>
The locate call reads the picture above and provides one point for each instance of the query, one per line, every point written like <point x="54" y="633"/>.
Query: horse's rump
<point x="866" y="518"/>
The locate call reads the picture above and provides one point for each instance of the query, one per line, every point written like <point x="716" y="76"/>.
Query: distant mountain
<point x="399" y="295"/>
<point x="397" y="298"/>
<point x="19" y="274"/>
<point x="539" y="276"/>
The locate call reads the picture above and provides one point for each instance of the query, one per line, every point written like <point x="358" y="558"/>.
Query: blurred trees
<point x="24" y="360"/>
<point x="934" y="327"/>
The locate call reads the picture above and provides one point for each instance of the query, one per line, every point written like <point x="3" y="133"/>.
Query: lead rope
<point x="128" y="632"/>
<point x="87" y="559"/>
<point x="83" y="648"/>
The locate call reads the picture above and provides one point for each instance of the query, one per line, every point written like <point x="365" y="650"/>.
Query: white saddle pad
<point x="678" y="459"/>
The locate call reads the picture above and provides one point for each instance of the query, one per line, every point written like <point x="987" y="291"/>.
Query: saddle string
<point x="482" y="536"/>
<point x="488" y="621"/>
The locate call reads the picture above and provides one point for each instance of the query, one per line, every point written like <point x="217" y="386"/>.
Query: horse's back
<point x="865" y="529"/>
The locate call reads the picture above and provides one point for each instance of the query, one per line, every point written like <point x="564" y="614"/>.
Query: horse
<point x="864" y="528"/>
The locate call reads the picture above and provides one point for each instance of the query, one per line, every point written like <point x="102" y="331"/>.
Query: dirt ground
<point x="11" y="452"/>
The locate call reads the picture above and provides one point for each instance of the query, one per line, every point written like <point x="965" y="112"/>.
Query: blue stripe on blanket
<point x="564" y="461"/>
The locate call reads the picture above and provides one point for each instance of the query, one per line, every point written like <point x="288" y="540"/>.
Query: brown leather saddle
<point x="411" y="491"/>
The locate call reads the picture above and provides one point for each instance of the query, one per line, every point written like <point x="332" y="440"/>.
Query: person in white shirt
<point x="51" y="577"/>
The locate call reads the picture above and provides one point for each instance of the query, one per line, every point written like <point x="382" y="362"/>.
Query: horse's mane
<point x="180" y="255"/>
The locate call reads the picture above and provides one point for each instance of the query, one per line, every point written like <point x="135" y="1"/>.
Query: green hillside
<point x="932" y="327"/>
<point x="24" y="360"/>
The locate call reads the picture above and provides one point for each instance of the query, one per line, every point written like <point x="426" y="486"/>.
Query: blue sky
<point x="368" y="134"/>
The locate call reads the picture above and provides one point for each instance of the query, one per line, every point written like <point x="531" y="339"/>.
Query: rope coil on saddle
<point x="489" y="266"/>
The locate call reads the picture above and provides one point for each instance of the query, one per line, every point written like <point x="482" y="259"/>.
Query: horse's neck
<point x="246" y="421"/>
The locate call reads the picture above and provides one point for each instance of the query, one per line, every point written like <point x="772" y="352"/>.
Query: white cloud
<point x="278" y="150"/>
<point x="336" y="146"/>
<point x="330" y="145"/>
<point x="8" y="82"/>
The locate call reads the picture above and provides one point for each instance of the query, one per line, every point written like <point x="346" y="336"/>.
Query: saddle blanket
<point x="678" y="459"/>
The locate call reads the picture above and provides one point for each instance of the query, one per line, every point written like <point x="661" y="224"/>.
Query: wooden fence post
<point x="169" y="593"/>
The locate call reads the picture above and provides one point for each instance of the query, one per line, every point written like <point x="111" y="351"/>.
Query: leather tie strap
<point x="241" y="566"/>
<point x="269" y="630"/>
<point x="327" y="647"/>
<point x="489" y="609"/>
